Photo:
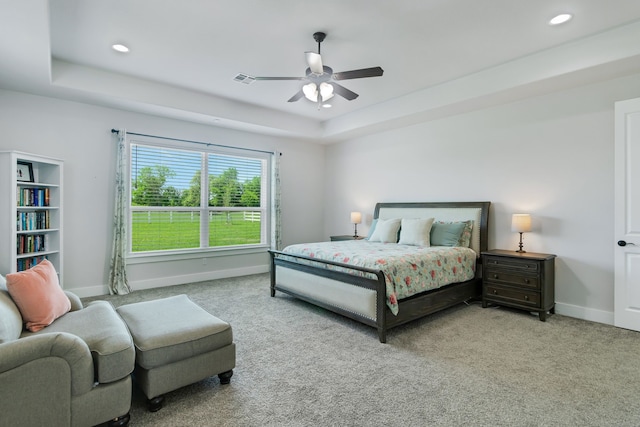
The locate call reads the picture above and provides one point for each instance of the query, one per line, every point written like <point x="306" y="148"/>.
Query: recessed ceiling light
<point x="326" y="105"/>
<point x="120" y="48"/>
<point x="560" y="19"/>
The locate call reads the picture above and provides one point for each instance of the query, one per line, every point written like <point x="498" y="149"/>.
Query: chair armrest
<point x="76" y="303"/>
<point x="68" y="347"/>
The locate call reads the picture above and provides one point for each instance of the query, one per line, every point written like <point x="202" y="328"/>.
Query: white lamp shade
<point x="521" y="223"/>
<point x="310" y="92"/>
<point x="356" y="217"/>
<point x="326" y="91"/>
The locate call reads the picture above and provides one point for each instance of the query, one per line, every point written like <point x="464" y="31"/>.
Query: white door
<point x="627" y="215"/>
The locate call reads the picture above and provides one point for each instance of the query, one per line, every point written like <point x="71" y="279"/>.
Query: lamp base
<point x="520" y="250"/>
<point x="355" y="231"/>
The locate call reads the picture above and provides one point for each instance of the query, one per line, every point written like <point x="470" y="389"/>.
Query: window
<point x="192" y="198"/>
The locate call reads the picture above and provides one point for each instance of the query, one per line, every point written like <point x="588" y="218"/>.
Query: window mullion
<point x="204" y="202"/>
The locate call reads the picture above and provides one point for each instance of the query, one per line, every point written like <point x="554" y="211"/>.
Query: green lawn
<point x="156" y="231"/>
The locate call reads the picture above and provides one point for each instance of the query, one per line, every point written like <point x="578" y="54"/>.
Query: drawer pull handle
<point x="526" y="297"/>
<point x="495" y="276"/>
<point x="495" y="292"/>
<point x="527" y="281"/>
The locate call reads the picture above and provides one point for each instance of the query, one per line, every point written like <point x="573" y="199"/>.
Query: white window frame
<point x="204" y="209"/>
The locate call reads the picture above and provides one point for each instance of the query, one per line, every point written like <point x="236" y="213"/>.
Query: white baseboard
<point x="585" y="313"/>
<point x="91" y="291"/>
<point x="570" y="310"/>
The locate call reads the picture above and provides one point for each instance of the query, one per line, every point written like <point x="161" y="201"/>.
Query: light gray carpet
<point x="298" y="365"/>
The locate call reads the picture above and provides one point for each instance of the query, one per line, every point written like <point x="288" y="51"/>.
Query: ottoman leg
<point x="155" y="404"/>
<point x="225" y="377"/>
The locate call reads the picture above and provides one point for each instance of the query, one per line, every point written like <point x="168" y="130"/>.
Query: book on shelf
<point x="30" y="243"/>
<point x="37" y="220"/>
<point x="32" y="196"/>
<point x="26" y="263"/>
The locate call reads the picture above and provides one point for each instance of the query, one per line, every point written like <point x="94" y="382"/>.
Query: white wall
<point x="80" y="134"/>
<point x="551" y="156"/>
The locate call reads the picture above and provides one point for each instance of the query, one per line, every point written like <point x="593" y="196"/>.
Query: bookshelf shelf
<point x="31" y="223"/>
<point x="36" y="254"/>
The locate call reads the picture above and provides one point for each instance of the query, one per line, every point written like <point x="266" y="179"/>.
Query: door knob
<point x="623" y="243"/>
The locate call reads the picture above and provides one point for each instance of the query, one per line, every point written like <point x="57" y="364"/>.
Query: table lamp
<point x="521" y="223"/>
<point x="356" y="218"/>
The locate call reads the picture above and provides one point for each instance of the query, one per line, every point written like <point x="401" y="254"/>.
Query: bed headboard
<point x="478" y="212"/>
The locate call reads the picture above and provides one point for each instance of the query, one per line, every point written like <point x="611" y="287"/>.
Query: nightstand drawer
<point x="513" y="296"/>
<point x="512" y="263"/>
<point x="511" y="277"/>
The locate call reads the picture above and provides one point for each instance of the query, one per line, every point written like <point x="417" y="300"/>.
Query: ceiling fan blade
<point x="343" y="92"/>
<point x="315" y="62"/>
<point x="280" y="78"/>
<point x="358" y="74"/>
<point x="297" y="96"/>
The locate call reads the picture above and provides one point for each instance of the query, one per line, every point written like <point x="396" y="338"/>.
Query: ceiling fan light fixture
<point x="326" y="91"/>
<point x="310" y="91"/>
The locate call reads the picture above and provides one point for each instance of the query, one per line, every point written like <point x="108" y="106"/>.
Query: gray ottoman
<point x="177" y="343"/>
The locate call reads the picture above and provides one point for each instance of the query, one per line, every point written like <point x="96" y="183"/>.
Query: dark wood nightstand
<point x="345" y="237"/>
<point x="520" y="280"/>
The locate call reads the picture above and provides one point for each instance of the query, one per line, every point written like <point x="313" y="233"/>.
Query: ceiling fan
<point x="321" y="84"/>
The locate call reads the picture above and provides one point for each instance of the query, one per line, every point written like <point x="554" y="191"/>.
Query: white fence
<point x="251" y="216"/>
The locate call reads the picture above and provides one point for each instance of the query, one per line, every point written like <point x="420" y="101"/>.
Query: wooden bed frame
<point x="308" y="279"/>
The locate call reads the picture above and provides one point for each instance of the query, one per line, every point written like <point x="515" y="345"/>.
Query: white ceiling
<point x="439" y="57"/>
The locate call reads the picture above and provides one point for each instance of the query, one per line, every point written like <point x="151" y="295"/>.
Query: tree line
<point x="150" y="189"/>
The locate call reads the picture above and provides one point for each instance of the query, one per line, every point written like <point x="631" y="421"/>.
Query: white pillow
<point x="415" y="231"/>
<point x="386" y="231"/>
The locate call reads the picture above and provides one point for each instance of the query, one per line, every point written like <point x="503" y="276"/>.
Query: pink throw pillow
<point x="38" y="295"/>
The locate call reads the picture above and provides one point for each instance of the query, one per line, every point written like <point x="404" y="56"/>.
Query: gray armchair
<point x="74" y="372"/>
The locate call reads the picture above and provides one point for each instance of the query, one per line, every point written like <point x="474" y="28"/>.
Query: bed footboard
<point x="359" y="298"/>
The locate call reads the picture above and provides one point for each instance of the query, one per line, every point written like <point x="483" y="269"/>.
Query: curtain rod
<point x="208" y="144"/>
